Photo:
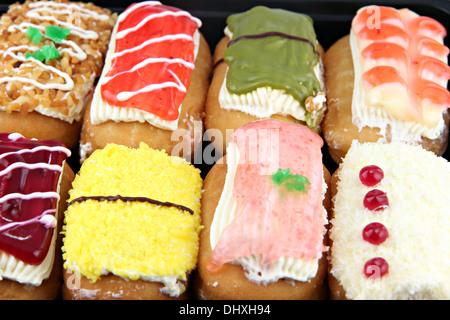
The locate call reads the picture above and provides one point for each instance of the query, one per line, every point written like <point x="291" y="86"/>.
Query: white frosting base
<point x="417" y="219"/>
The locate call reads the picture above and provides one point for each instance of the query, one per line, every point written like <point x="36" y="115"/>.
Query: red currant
<point x="376" y="268"/>
<point x="371" y="175"/>
<point x="375" y="233"/>
<point x="376" y="200"/>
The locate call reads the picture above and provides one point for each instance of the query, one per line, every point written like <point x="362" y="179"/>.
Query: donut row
<point x="140" y="220"/>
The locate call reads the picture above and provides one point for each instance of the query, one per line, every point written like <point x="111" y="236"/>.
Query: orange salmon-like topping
<point x="279" y="214"/>
<point x="153" y="59"/>
<point x="381" y="74"/>
<point x="399" y="46"/>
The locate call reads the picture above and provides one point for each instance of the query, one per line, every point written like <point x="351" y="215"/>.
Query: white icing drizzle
<point x="46" y="218"/>
<point x="31" y="166"/>
<point x="125" y="95"/>
<point x="65" y="9"/>
<point x="36" y="149"/>
<point x="169" y="37"/>
<point x="70" y="9"/>
<point x="153" y="60"/>
<point x="124" y="33"/>
<point x="30" y="196"/>
<point x="125" y="14"/>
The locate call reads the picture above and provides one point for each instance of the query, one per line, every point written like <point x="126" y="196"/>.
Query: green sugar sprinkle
<point x="46" y="53"/>
<point x="56" y="33"/>
<point x="38" y="55"/>
<point x="34" y="34"/>
<point x="292" y="182"/>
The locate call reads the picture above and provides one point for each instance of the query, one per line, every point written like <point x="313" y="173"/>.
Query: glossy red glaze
<point x="21" y="233"/>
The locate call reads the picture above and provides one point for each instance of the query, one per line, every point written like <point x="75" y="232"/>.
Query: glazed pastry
<point x="390" y="216"/>
<point x="267" y="66"/>
<point x="34" y="183"/>
<point x="131" y="228"/>
<point x="154" y="84"/>
<point x="387" y="81"/>
<point x="264" y="211"/>
<point x="51" y="54"/>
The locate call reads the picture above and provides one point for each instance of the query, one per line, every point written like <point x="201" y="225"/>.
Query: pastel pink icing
<point x="272" y="221"/>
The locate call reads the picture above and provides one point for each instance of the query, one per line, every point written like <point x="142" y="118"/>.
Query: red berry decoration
<point x="371" y="175"/>
<point x="375" y="233"/>
<point x="376" y="268"/>
<point x="376" y="200"/>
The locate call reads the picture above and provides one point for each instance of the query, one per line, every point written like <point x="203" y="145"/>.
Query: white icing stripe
<point x="124" y="33"/>
<point x="125" y="14"/>
<point x="32" y="166"/>
<point x="68" y="85"/>
<point x="168" y="37"/>
<point x="150" y="61"/>
<point x="45" y="218"/>
<point x="70" y="9"/>
<point x="87" y="34"/>
<point x="125" y="95"/>
<point x="15" y="136"/>
<point x="37" y="149"/>
<point x="30" y="196"/>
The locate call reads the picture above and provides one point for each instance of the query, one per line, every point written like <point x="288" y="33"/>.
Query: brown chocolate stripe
<point x="138" y="199"/>
<point x="271" y="34"/>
